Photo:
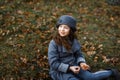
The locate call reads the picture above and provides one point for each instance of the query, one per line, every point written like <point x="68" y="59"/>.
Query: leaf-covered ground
<point x="27" y="26"/>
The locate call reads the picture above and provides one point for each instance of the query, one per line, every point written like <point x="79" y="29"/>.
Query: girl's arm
<point x="80" y="57"/>
<point x="78" y="53"/>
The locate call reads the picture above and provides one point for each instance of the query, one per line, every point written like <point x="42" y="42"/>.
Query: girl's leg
<point x="86" y="75"/>
<point x="73" y="79"/>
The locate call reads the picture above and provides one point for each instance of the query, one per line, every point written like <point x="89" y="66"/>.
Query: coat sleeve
<point x="80" y="58"/>
<point x="53" y="58"/>
<point x="79" y="55"/>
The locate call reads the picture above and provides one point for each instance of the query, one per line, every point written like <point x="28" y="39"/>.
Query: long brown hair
<point x="65" y="41"/>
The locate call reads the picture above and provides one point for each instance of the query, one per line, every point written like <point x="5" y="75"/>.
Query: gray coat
<point x="60" y="59"/>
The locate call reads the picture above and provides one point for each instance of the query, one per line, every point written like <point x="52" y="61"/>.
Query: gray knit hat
<point x="67" y="20"/>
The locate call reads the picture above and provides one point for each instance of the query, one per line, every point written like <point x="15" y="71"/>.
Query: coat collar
<point x="75" y="47"/>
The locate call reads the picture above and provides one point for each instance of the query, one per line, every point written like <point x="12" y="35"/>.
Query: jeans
<point x="73" y="79"/>
<point x="86" y="75"/>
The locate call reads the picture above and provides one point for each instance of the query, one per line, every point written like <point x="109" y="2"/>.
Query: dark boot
<point x="106" y="79"/>
<point x="116" y="74"/>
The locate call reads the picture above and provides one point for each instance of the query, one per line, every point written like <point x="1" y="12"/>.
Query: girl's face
<point x="63" y="30"/>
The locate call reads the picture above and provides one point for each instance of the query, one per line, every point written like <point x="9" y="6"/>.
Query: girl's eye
<point x="66" y="27"/>
<point x="60" y="26"/>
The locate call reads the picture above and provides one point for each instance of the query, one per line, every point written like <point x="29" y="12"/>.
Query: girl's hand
<point x="84" y="66"/>
<point x="75" y="69"/>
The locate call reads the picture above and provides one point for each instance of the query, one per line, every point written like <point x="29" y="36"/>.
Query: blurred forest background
<point x="27" y="26"/>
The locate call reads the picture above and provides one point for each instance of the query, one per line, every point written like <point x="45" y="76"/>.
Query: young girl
<point x="65" y="58"/>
